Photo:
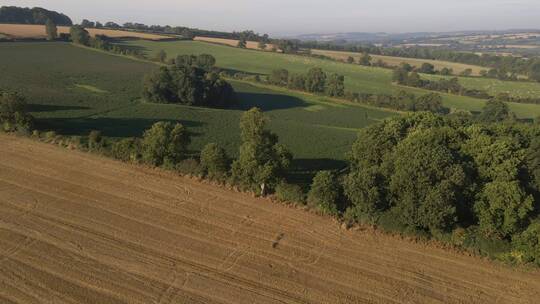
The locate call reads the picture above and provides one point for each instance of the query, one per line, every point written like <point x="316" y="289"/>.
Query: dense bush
<point x="325" y="192"/>
<point x="214" y="162"/>
<point x="128" y="149"/>
<point x="291" y="193"/>
<point x="14" y="114"/>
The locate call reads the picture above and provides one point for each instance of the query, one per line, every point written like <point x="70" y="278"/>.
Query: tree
<point x="206" y="62"/>
<point x="365" y="190"/>
<point x="262" y="45"/>
<point x="350" y="59"/>
<point x="164" y="143"/>
<point x="427" y="68"/>
<point x="214" y="161"/>
<point x="400" y="75"/>
<point x="503" y="208"/>
<point x="297" y="82"/>
<point x="52" y="31"/>
<point x="242" y="43"/>
<point x="495" y="111"/>
<point x="446" y="71"/>
<point x="365" y="60"/>
<point x="86" y="23"/>
<point x="315" y="80"/>
<point x="279" y="77"/>
<point x="161" y="56"/>
<point x="324" y="192"/>
<point x="262" y="160"/>
<point x="428" y="181"/>
<point x="528" y="243"/>
<point x="335" y="86"/>
<point x="79" y="35"/>
<point x="431" y="102"/>
<point x="466" y="73"/>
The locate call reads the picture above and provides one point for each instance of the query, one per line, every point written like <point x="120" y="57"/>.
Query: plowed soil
<point x="78" y="228"/>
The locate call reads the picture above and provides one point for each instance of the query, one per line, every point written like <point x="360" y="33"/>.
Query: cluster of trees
<point x="435" y="174"/>
<point x="36" y="15"/>
<point x="80" y="35"/>
<point x="190" y="81"/>
<point x="402" y="101"/>
<point x="402" y="76"/>
<point x="314" y="81"/>
<point x="14" y="115"/>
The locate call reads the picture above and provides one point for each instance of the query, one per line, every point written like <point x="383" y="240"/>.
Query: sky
<point x="291" y="17"/>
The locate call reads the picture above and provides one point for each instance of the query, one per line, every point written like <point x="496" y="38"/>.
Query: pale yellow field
<point x="38" y="31"/>
<point x="395" y="61"/>
<point x="232" y="42"/>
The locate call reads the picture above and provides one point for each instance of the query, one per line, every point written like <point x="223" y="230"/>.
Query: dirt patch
<point x="77" y="228"/>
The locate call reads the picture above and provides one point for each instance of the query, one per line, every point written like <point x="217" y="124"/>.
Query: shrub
<point x="324" y="192"/>
<point x="95" y="140"/>
<point x="189" y="166"/>
<point x="290" y="193"/>
<point x="214" y="162"/>
<point x="13" y="113"/>
<point x="528" y="243"/>
<point x="127" y="150"/>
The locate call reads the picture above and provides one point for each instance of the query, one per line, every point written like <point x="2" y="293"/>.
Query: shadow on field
<point x="234" y="71"/>
<point x="111" y="127"/>
<point x="303" y="170"/>
<point x="52" y="108"/>
<point x="267" y="102"/>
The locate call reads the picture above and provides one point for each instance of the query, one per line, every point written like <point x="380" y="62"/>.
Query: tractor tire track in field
<point x="79" y="228"/>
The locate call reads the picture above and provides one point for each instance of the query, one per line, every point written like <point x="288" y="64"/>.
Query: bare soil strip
<point x="38" y="31"/>
<point x="78" y="228"/>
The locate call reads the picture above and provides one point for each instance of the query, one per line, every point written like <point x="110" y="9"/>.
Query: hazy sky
<point x="307" y="16"/>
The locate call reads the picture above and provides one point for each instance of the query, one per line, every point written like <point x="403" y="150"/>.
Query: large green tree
<point x="51" y="29"/>
<point x="315" y="80"/>
<point x="262" y="160"/>
<point x="165" y="143"/>
<point x="79" y="35"/>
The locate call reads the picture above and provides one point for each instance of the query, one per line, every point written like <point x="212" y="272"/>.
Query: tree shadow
<point x="267" y="102"/>
<point x="234" y="71"/>
<point x="52" y="108"/>
<point x="110" y="127"/>
<point x="303" y="170"/>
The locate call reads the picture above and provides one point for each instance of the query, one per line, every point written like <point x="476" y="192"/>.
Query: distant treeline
<point x="500" y="67"/>
<point x="36" y="15"/>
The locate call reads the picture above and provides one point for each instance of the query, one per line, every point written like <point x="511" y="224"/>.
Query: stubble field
<point x="77" y="228"/>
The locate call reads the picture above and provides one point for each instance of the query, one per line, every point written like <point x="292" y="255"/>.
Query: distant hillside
<point x="36" y="15"/>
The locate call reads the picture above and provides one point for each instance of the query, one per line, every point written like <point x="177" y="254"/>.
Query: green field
<point x="358" y="78"/>
<point x="74" y="90"/>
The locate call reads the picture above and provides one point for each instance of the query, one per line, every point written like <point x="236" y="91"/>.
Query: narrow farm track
<point x="77" y="228"/>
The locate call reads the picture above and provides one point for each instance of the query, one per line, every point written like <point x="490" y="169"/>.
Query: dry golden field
<point x="231" y="42"/>
<point x="38" y="31"/>
<point x="78" y="228"/>
<point x="396" y="61"/>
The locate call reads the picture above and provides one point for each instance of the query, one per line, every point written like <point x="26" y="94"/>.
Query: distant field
<point x="38" y="31"/>
<point x="231" y="42"/>
<point x="74" y="90"/>
<point x="357" y="78"/>
<point x="396" y="61"/>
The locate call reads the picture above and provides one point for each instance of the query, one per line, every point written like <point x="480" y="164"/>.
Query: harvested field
<point x="38" y="31"/>
<point x="231" y="42"/>
<point x="77" y="228"/>
<point x="396" y="61"/>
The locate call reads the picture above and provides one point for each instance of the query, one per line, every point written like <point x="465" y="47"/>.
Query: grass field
<point x="75" y="90"/>
<point x="357" y="78"/>
<point x="396" y="61"/>
<point x="38" y="31"/>
<point x="78" y="228"/>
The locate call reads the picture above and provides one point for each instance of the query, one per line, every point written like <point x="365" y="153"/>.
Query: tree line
<point x="36" y="15"/>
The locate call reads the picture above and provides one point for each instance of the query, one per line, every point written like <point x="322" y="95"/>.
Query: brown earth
<point x="78" y="228"/>
<point x="231" y="42"/>
<point x="38" y="31"/>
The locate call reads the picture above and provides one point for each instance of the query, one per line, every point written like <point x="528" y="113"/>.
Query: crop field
<point x="74" y="90"/>
<point x="38" y="31"/>
<point x="231" y="42"/>
<point x="78" y="228"/>
<point x="357" y="78"/>
<point x="396" y="61"/>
